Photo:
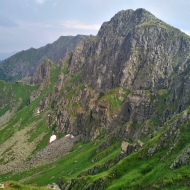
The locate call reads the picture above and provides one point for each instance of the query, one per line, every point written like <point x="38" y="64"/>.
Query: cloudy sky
<point x="34" y="23"/>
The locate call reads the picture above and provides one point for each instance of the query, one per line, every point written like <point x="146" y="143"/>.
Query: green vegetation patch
<point x="65" y="70"/>
<point x="161" y="105"/>
<point x="3" y="111"/>
<point x="115" y="96"/>
<point x="68" y="88"/>
<point x="163" y="92"/>
<point x="76" y="104"/>
<point x="54" y="75"/>
<point x="76" y="79"/>
<point x="153" y="122"/>
<point x="81" y="86"/>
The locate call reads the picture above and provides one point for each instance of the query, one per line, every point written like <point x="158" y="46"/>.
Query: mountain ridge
<point x="24" y="63"/>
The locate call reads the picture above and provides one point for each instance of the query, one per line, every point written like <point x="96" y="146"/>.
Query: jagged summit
<point x="127" y="51"/>
<point x="142" y="14"/>
<point x="124" y="21"/>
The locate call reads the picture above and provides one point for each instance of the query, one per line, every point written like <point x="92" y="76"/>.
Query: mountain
<point x="119" y="105"/>
<point x="6" y="55"/>
<point x="24" y="63"/>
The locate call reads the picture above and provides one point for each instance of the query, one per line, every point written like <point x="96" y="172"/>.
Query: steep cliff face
<point x="25" y="63"/>
<point x="134" y="50"/>
<point x="42" y="75"/>
<point x="131" y="72"/>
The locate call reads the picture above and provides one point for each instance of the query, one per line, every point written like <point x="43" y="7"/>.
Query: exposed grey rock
<point x="170" y="137"/>
<point x="53" y="186"/>
<point x="182" y="159"/>
<point x="33" y="96"/>
<point x="53" y="151"/>
<point x="42" y="75"/>
<point x="152" y="150"/>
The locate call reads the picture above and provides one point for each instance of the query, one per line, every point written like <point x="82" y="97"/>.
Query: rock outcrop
<point x="182" y="159"/>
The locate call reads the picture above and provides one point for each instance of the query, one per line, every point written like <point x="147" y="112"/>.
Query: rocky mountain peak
<point x="144" y="13"/>
<point x="124" y="21"/>
<point x="140" y="53"/>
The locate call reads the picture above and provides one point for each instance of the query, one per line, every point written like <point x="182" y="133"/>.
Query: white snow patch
<point x="72" y="136"/>
<point x="67" y="135"/>
<point x="38" y="111"/>
<point x="52" y="138"/>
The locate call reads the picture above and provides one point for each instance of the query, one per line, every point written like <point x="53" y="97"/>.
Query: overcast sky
<point x="34" y="23"/>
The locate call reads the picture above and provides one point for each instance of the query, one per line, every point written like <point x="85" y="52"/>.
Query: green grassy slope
<point x="80" y="159"/>
<point x="12" y="93"/>
<point x="136" y="171"/>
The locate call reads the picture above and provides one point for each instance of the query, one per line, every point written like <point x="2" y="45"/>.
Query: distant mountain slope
<point x="24" y="63"/>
